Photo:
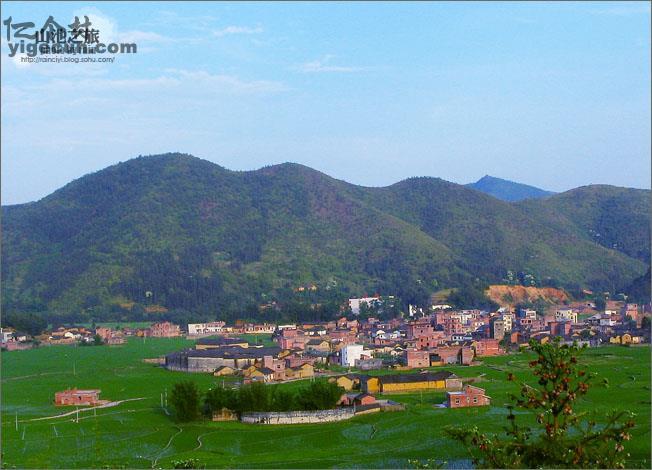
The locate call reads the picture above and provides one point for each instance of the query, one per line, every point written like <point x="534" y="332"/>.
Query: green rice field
<point x="138" y="433"/>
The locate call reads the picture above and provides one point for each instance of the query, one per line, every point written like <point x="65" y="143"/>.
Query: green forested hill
<point x="616" y="218"/>
<point x="185" y="233"/>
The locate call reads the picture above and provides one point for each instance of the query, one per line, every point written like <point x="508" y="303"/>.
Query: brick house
<point x="451" y="355"/>
<point x="560" y="328"/>
<point x="433" y="340"/>
<point x="416" y="358"/>
<point x="165" y="330"/>
<point x="357" y="399"/>
<point x="468" y="396"/>
<point x="419" y="329"/>
<point x="104" y="333"/>
<point x="73" y="397"/>
<point x="488" y="347"/>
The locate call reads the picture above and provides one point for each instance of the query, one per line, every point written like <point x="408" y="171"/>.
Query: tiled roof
<point x="414" y="378"/>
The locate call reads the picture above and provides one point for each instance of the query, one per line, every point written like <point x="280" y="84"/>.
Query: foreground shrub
<point x="565" y="438"/>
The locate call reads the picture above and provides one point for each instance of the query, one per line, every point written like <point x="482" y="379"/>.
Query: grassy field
<point x="140" y="434"/>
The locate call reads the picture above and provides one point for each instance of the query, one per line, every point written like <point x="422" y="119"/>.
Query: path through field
<point x="106" y="405"/>
<point x="160" y="454"/>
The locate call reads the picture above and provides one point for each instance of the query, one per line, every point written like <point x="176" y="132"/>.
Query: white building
<point x="508" y="318"/>
<point x="566" y="314"/>
<point x="528" y="313"/>
<point x="6" y="335"/>
<point x="441" y="307"/>
<point x="211" y="328"/>
<point x="352" y="352"/>
<point x="355" y="304"/>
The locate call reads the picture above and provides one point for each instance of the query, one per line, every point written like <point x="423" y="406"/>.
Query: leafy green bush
<point x="566" y="439"/>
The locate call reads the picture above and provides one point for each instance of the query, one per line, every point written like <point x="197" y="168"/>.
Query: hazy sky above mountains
<point x="556" y="95"/>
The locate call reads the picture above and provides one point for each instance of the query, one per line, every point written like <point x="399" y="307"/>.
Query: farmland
<point x="139" y="433"/>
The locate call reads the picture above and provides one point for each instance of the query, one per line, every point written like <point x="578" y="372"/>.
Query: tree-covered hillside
<point x="184" y="233"/>
<point x="613" y="217"/>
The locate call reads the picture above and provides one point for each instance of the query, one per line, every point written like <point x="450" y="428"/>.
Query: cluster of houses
<point x="440" y="337"/>
<point x="360" y="388"/>
<point x="577" y="322"/>
<point x="224" y="356"/>
<point x="82" y="334"/>
<point x="13" y="340"/>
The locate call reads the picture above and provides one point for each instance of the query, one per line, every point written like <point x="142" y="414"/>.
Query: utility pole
<point x="16" y="420"/>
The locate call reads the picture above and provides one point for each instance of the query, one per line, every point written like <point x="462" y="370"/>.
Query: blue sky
<point x="555" y="95"/>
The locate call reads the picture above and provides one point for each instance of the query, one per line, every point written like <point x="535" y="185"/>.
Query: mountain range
<point x="182" y="232"/>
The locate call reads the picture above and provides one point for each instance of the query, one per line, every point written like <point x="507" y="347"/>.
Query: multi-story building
<point x="566" y="314"/>
<point x="497" y="328"/>
<point x="165" y="330"/>
<point x="351" y="352"/>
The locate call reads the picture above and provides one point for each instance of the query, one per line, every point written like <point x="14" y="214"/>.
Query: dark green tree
<point x="254" y="397"/>
<point x="184" y="398"/>
<point x="319" y="396"/>
<point x="218" y="398"/>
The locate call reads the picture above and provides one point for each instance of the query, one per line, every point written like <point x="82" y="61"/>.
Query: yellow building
<point x="224" y="370"/>
<point x="347" y="382"/>
<point x="626" y="338"/>
<point x="304" y="371"/>
<point x="410" y="382"/>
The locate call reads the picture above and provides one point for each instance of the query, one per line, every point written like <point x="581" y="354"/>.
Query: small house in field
<point x="357" y="399"/>
<point x="363" y="399"/>
<point x="468" y="396"/>
<point x="74" y="397"/>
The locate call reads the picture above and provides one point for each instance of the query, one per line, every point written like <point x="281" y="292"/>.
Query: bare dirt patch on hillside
<point x="507" y="296"/>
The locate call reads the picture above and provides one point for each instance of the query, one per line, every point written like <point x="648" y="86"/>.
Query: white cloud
<point x="237" y="30"/>
<point x="324" y="65"/>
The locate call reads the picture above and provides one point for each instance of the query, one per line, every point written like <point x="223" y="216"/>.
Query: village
<point x="349" y="351"/>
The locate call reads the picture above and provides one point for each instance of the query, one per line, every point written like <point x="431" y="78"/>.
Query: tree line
<point x="189" y="403"/>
